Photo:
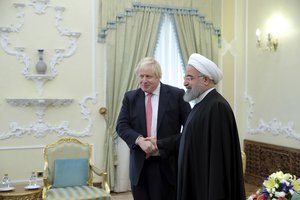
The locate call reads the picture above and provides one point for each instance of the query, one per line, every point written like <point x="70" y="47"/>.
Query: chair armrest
<point x="46" y="183"/>
<point x="104" y="184"/>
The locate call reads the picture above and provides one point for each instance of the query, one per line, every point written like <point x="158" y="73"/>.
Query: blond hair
<point x="149" y="61"/>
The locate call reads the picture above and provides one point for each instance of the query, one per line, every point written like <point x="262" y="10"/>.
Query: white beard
<point x="188" y="96"/>
<point x="193" y="93"/>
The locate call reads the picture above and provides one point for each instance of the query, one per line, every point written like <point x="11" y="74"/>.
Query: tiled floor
<point x="127" y="195"/>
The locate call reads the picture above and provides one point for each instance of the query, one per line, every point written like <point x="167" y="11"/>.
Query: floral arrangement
<point x="277" y="186"/>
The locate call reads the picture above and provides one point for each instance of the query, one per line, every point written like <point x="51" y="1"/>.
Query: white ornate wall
<point x="272" y="76"/>
<point x="37" y="109"/>
<point x="261" y="85"/>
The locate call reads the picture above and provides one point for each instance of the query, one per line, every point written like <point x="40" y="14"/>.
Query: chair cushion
<point x="77" y="192"/>
<point x="70" y="172"/>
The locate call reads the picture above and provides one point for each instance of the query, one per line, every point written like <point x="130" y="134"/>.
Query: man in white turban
<point x="209" y="160"/>
<point x="206" y="69"/>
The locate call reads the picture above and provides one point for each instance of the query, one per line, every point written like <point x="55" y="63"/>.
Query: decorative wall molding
<point x="39" y="6"/>
<point x="274" y="127"/>
<point x="19" y="52"/>
<point x="40" y="128"/>
<point x="9" y="148"/>
<point x="40" y="104"/>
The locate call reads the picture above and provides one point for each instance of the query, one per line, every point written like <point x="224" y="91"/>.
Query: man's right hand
<point x="152" y="140"/>
<point x="146" y="145"/>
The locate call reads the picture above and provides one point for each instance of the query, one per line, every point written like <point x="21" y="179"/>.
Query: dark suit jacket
<point x="172" y="113"/>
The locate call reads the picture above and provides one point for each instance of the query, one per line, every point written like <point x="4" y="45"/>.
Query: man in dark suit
<point x="152" y="177"/>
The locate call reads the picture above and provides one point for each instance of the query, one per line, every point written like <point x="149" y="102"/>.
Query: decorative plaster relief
<point x="274" y="126"/>
<point x="40" y="128"/>
<point x="39" y="6"/>
<point x="19" y="52"/>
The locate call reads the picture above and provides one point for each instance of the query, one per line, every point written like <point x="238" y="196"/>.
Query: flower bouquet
<point x="277" y="186"/>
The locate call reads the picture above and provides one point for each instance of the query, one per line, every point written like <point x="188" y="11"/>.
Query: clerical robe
<point x="209" y="162"/>
<point x="209" y="154"/>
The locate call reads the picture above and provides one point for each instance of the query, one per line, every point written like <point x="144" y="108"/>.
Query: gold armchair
<point x="68" y="172"/>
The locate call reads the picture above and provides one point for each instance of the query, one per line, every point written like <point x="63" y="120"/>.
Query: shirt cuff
<point x="137" y="139"/>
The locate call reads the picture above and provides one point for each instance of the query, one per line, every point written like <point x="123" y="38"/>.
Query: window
<point x="168" y="55"/>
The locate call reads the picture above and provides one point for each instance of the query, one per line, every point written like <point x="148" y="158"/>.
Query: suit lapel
<point x="141" y="111"/>
<point x="163" y="104"/>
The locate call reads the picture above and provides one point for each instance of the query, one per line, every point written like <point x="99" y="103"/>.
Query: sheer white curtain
<point x="168" y="55"/>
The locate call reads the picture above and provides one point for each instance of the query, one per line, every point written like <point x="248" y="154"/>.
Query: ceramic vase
<point x="41" y="66"/>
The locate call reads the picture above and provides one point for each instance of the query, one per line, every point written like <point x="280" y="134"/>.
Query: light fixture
<point x="271" y="41"/>
<point x="275" y="27"/>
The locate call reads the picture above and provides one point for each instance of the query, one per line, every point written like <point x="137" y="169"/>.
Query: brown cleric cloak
<point x="209" y="162"/>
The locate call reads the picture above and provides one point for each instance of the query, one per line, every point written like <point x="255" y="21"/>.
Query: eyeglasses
<point x="190" y="78"/>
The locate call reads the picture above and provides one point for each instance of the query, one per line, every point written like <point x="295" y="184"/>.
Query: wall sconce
<point x="274" y="27"/>
<point x="271" y="43"/>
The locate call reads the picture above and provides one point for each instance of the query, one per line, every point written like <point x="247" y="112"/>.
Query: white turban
<point x="206" y="67"/>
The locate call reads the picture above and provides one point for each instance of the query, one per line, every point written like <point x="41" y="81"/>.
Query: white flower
<point x="273" y="190"/>
<point x="287" y="176"/>
<point x="291" y="191"/>
<point x="279" y="194"/>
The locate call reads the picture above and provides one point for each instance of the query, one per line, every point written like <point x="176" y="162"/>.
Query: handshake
<point x="148" y="145"/>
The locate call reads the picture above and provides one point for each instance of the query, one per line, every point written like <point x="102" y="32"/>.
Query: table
<point x="20" y="193"/>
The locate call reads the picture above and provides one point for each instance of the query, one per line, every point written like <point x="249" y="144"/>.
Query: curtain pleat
<point x="186" y="35"/>
<point x="195" y="36"/>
